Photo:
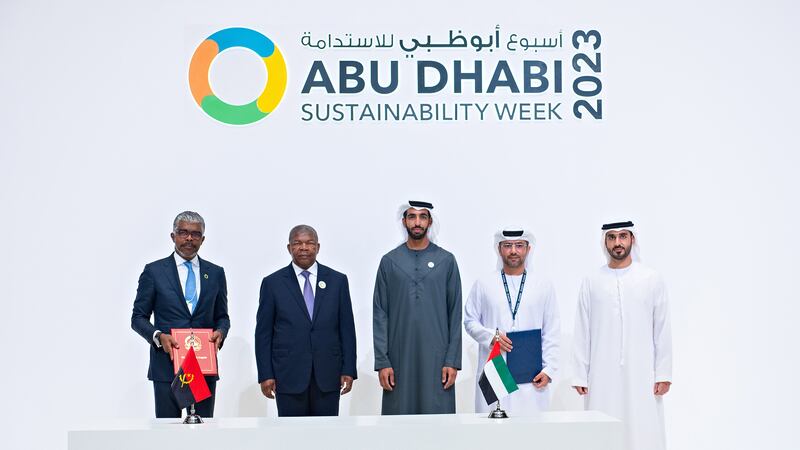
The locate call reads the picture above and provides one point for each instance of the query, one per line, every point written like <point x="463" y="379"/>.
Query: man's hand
<point x="583" y="390"/>
<point x="386" y="378"/>
<point x="661" y="388"/>
<point x="541" y="380"/>
<point x="346" y="384"/>
<point x="505" y="342"/>
<point x="448" y="377"/>
<point x="268" y="388"/>
<point x="168" y="343"/>
<point x="216" y="338"/>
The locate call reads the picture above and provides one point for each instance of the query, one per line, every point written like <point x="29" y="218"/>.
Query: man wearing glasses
<point x="305" y="333"/>
<point x="180" y="291"/>
<point x="512" y="304"/>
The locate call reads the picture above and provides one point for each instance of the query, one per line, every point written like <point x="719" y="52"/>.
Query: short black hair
<point x="297" y="229"/>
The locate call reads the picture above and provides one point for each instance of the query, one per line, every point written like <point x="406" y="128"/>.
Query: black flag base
<point x="498" y="413"/>
<point x="192" y="418"/>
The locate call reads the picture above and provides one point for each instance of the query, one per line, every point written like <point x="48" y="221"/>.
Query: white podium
<point x="558" y="430"/>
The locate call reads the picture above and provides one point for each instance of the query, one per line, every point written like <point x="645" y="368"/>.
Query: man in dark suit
<point x="305" y="334"/>
<point x="180" y="291"/>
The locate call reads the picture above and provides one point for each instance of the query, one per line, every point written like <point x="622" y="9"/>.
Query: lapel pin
<point x="431" y="264"/>
<point x="205" y="275"/>
<point x="322" y="285"/>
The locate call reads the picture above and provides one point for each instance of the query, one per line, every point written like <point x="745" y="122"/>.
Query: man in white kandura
<point x="510" y="299"/>
<point x="623" y="344"/>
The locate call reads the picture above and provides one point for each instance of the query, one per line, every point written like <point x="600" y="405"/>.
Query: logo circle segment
<point x="201" y="87"/>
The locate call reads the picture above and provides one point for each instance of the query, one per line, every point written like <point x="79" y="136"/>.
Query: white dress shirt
<point x="301" y="280"/>
<point x="183" y="274"/>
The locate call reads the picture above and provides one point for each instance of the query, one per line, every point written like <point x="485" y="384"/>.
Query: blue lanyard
<point x="519" y="294"/>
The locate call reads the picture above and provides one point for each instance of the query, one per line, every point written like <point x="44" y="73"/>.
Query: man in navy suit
<point x="305" y="334"/>
<point x="181" y="291"/>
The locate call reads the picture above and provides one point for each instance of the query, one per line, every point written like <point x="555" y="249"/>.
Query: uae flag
<point x="189" y="385"/>
<point x="496" y="381"/>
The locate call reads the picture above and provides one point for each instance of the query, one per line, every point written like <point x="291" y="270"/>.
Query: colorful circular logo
<point x="201" y="64"/>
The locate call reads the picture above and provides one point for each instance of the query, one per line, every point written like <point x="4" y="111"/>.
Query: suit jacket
<point x="160" y="294"/>
<point x="288" y="343"/>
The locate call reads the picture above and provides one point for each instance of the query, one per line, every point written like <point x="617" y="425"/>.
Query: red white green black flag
<point x="496" y="381"/>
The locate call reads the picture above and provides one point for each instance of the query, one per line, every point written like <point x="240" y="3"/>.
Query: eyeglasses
<point x="514" y="245"/>
<point x="186" y="233"/>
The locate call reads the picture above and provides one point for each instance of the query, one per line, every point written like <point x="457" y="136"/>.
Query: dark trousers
<point x="167" y="406"/>
<point x="311" y="402"/>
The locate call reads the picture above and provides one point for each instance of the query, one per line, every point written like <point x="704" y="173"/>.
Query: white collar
<point x="312" y="270"/>
<point x="179" y="261"/>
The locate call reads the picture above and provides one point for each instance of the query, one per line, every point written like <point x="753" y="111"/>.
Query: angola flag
<point x="189" y="385"/>
<point x="496" y="381"/>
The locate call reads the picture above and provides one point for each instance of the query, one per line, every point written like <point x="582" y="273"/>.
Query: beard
<point x="620" y="257"/>
<point x="187" y="251"/>
<point x="514" y="263"/>
<point x="417" y="235"/>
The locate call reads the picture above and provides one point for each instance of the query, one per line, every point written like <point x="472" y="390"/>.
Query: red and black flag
<point x="189" y="385"/>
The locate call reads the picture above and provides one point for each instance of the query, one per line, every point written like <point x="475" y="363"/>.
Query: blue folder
<point x="524" y="361"/>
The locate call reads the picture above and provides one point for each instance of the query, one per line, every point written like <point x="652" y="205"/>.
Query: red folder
<point x="205" y="350"/>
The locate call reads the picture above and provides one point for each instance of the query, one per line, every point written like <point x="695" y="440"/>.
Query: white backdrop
<point x="101" y="145"/>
